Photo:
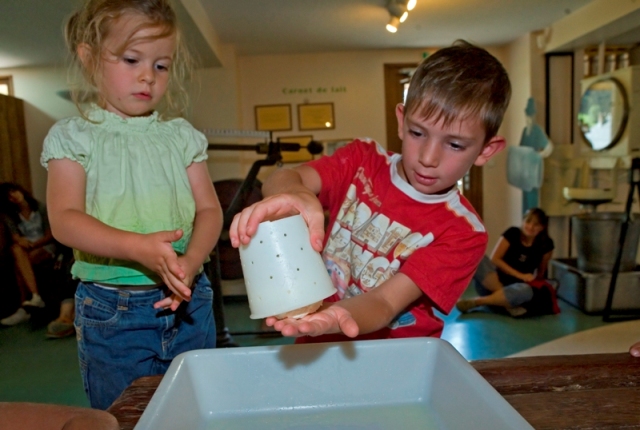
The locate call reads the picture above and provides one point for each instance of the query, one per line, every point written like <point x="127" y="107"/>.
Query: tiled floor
<point x="33" y="368"/>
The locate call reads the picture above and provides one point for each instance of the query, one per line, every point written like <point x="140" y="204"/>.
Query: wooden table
<point x="598" y="391"/>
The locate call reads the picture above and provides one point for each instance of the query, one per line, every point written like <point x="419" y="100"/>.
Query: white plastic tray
<point x="417" y="383"/>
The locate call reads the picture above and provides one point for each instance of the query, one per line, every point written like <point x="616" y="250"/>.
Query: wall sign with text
<point x="315" y="90"/>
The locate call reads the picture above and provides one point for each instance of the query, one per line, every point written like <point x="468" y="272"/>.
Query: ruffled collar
<point x="102" y="116"/>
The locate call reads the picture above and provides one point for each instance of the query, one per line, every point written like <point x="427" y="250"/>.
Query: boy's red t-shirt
<point x="380" y="225"/>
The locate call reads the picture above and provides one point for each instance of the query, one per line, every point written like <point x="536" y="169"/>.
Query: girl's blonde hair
<point x="91" y="25"/>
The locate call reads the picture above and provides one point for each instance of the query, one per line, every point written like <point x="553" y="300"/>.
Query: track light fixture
<point x="393" y="24"/>
<point x="398" y="12"/>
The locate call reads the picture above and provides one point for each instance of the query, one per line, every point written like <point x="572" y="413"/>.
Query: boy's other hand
<point x="333" y="319"/>
<point x="245" y="223"/>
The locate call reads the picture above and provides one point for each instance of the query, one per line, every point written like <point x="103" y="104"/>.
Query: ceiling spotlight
<point x="398" y="11"/>
<point x="397" y="8"/>
<point x="392" y="26"/>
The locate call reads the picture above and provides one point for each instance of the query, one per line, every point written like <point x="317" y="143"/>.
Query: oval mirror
<point x="604" y="111"/>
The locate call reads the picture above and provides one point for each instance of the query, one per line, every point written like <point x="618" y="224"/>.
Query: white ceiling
<point x="293" y="26"/>
<point x="31" y="30"/>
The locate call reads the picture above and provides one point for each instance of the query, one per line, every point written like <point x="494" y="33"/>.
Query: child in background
<point x="33" y="243"/>
<point x="521" y="256"/>
<point x="402" y="239"/>
<point x="129" y="191"/>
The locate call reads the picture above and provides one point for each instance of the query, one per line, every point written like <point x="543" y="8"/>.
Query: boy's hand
<point x="156" y="253"/>
<point x="333" y="319"/>
<point x="245" y="223"/>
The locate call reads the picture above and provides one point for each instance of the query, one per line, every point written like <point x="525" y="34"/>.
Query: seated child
<point x="402" y="240"/>
<point x="520" y="257"/>
<point x="33" y="243"/>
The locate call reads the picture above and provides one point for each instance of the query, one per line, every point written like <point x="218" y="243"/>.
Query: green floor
<point x="33" y="368"/>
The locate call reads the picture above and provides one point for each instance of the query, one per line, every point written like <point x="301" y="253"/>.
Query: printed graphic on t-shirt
<point x="366" y="248"/>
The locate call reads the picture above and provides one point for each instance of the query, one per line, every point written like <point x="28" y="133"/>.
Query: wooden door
<point x="393" y="94"/>
<point x="14" y="154"/>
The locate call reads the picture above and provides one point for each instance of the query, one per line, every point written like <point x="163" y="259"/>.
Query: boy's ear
<point x="491" y="148"/>
<point x="400" y="117"/>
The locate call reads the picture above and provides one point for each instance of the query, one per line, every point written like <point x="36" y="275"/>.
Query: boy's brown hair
<point x="458" y="82"/>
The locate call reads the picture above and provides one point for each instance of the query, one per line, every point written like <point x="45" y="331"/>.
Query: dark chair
<point x="8" y="286"/>
<point x="226" y="189"/>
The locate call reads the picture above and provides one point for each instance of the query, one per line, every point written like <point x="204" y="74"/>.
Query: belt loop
<point x="123" y="300"/>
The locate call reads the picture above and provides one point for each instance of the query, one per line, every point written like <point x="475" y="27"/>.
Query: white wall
<point x="215" y="105"/>
<point x="352" y="81"/>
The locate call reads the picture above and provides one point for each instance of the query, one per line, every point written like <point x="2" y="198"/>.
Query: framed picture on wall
<point x="316" y="116"/>
<point x="273" y="117"/>
<point x="299" y="156"/>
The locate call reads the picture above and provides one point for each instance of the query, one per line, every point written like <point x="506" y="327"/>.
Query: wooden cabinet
<point x="14" y="155"/>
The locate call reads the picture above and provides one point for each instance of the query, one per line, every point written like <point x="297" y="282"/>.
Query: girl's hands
<point x="171" y="302"/>
<point x="190" y="269"/>
<point x="155" y="252"/>
<point x="332" y="319"/>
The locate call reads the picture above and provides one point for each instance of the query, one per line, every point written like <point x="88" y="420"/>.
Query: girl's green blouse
<point x="136" y="180"/>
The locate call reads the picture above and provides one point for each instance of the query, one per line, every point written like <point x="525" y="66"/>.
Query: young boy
<point x="401" y="240"/>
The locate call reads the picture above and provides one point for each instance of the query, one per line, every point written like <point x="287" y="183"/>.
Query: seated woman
<point x="33" y="243"/>
<point x="519" y="259"/>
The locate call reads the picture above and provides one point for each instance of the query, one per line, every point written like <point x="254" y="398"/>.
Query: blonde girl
<point x="129" y="190"/>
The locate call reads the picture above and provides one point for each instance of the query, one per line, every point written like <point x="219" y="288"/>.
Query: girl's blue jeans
<point x="121" y="337"/>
